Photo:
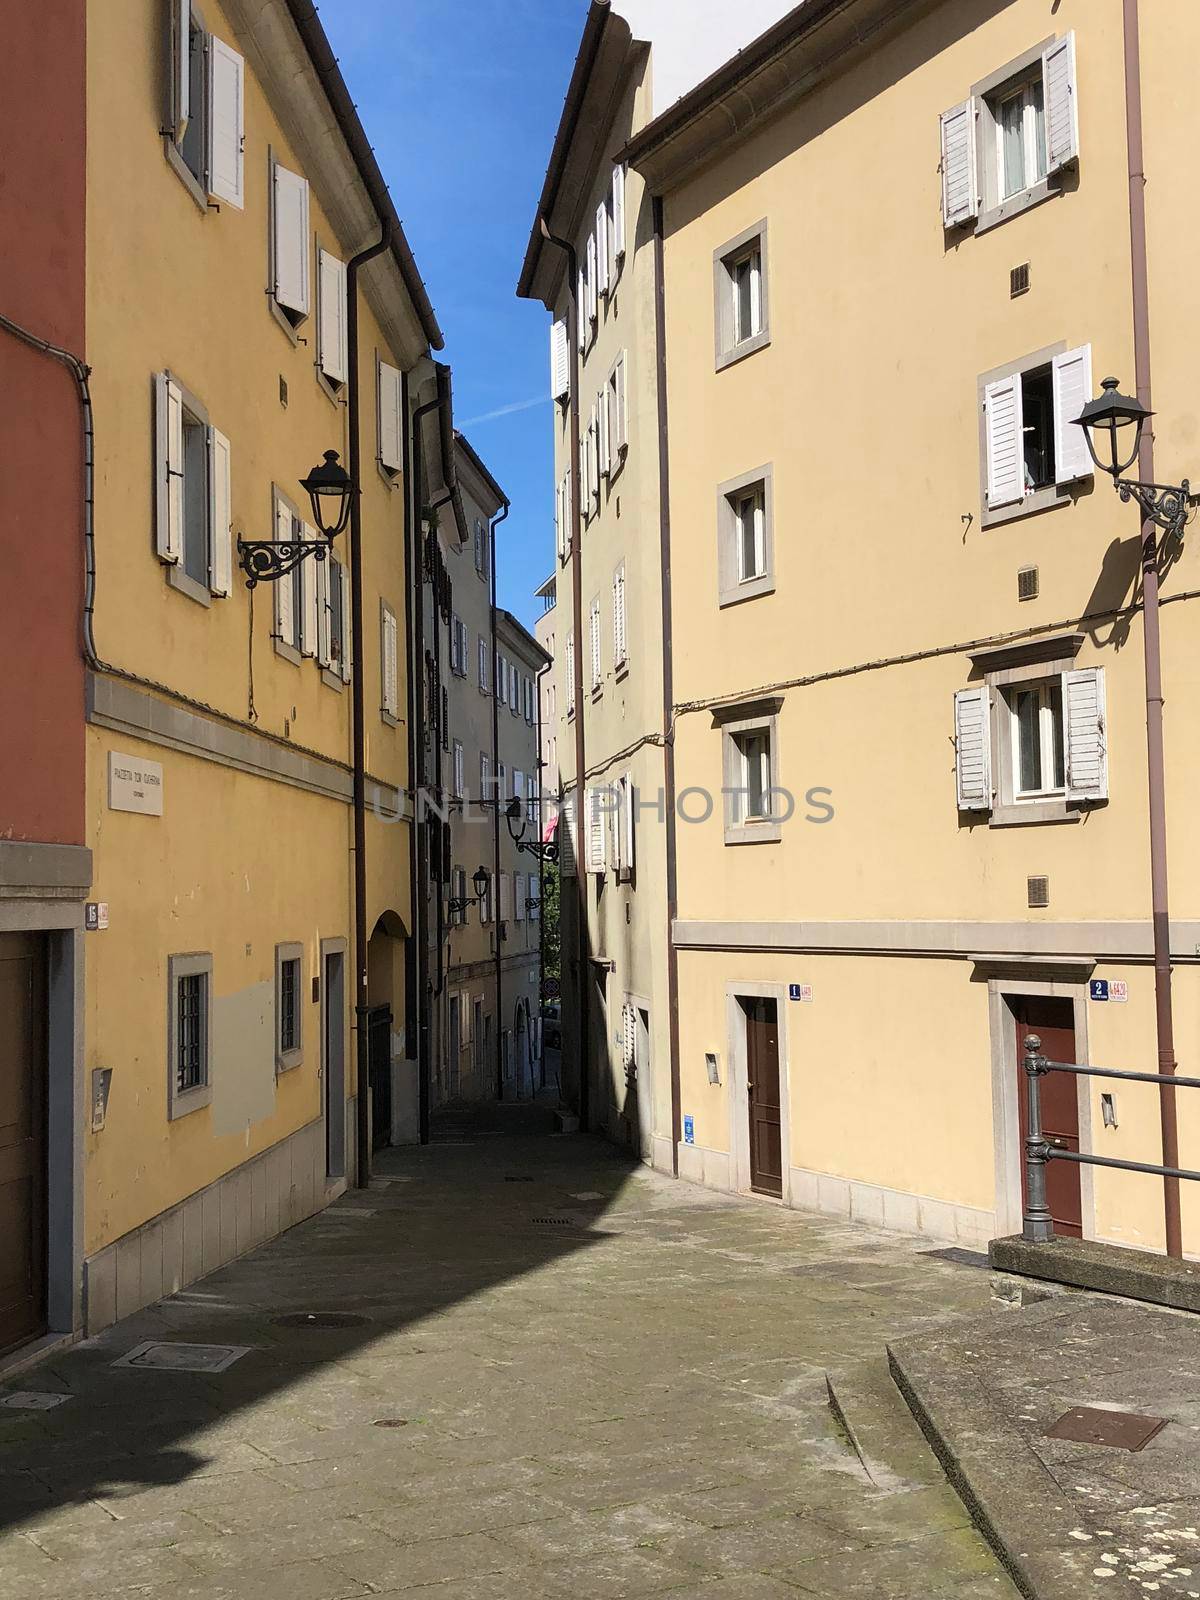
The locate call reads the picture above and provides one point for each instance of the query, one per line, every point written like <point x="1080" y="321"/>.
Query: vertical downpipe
<point x="496" y="802"/>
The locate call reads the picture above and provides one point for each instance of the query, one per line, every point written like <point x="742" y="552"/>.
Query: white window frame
<point x="731" y="345"/>
<point x="1070" y="375"/>
<point x="733" y="588"/>
<point x="1051" y="734"/>
<point x="193" y="112"/>
<point x="291" y="307"/>
<point x="737" y="723"/>
<point x="173" y="403"/>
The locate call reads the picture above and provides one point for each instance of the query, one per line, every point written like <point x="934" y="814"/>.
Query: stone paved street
<point x="575" y="1379"/>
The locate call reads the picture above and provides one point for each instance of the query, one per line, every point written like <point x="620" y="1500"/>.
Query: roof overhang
<point x="597" y="81"/>
<point x="517" y="636"/>
<point x="782" y="66"/>
<point x="478" y="481"/>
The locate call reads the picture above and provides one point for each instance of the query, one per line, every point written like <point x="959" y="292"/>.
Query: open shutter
<point x="309" y="610"/>
<point x="628" y="802"/>
<point x="566" y="834"/>
<point x="291" y="240"/>
<point x="391" y="434"/>
<point x="594" y="625"/>
<point x="348" y="642"/>
<point x="387" y="663"/>
<point x="560" y="365"/>
<point x="1085" y="722"/>
<point x="181" y="66"/>
<point x="1072" y="391"/>
<point x="570" y="673"/>
<point x="324" y="612"/>
<point x="168" y="449"/>
<point x="519" y="896"/>
<point x="226" y="124"/>
<point x="220" y="515"/>
<point x="581" y="310"/>
<point x="620" y="424"/>
<point x="619" y="635"/>
<point x="1062" y="105"/>
<point x="593" y="303"/>
<point x="1004" y="421"/>
<point x="285" y="614"/>
<point x="973" y="743"/>
<point x="618" y="211"/>
<point x="596" y="829"/>
<point x="603" y="461"/>
<point x="332" y="331"/>
<point x="602" y="248"/>
<point x="960" y="168"/>
<point x="628" y="1034"/>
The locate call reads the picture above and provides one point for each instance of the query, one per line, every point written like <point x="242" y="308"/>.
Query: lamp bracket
<point x="268" y="560"/>
<point x="1164" y="504"/>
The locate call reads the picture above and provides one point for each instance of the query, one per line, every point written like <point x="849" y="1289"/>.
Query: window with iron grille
<point x="289" y="1017"/>
<point x="189" y="979"/>
<point x="189" y="1041"/>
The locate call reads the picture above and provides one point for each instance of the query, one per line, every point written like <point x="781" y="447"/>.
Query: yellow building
<point x="229" y="187"/>
<point x="903" y="642"/>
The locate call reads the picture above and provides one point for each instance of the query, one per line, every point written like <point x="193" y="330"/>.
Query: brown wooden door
<point x="762" y="1075"/>
<point x="1053" y="1021"/>
<point x="22" y="1138"/>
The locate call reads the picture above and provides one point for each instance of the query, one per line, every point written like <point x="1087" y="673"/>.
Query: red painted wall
<point x="42" y="221"/>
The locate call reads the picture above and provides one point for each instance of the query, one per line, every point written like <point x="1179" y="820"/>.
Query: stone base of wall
<point x="256" y="1201"/>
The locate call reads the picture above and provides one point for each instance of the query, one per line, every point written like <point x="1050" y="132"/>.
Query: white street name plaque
<point x="135" y="784"/>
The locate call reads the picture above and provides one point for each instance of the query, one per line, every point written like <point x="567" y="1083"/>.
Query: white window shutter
<point x="620" y="421"/>
<point x="291" y="240"/>
<point x="226" y="124"/>
<point x="310" y="610"/>
<point x="619" y="631"/>
<point x="565" y="833"/>
<point x="348" y="642"/>
<point x="181" y="66"/>
<point x="597" y="827"/>
<point x="1072" y="391"/>
<point x="618" y="211"/>
<point x="168" y="448"/>
<point x="628" y="799"/>
<point x="597" y="664"/>
<point x="568" y="513"/>
<point x="581" y="310"/>
<point x="220" y="515"/>
<point x="324" y="612"/>
<point x="331" y="334"/>
<point x="388" y="663"/>
<point x="519" y="896"/>
<point x="483" y="663"/>
<point x="1085" y="720"/>
<point x="285" y="615"/>
<point x="1062" y="103"/>
<point x="560" y="364"/>
<point x="593" y="303"/>
<point x="391" y="430"/>
<point x="570" y="672"/>
<point x="960" y="168"/>
<point x="973" y="744"/>
<point x="603" y="462"/>
<point x="1004" y="420"/>
<point x="602" y="248"/>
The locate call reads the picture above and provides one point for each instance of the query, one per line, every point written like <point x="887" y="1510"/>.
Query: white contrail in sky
<point x="507" y="411"/>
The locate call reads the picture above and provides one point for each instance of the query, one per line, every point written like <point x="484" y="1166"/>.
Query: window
<point x="390" y="414"/>
<point x="597" y="678"/>
<point x="290" y="246"/>
<point x="1031" y="447"/>
<point x="389" y="633"/>
<point x="613" y="411"/>
<point x="337" y="607"/>
<point x="458" y="646"/>
<point x="332" y="354"/>
<point x="189" y="980"/>
<point x="745" y="552"/>
<point x="485" y="776"/>
<point x="481" y="547"/>
<point x="1005" y="147"/>
<point x="570" y="672"/>
<point x="740" y="288"/>
<point x="751" y="773"/>
<point x="620" y="631"/>
<point x="204" y="135"/>
<point x="459" y="770"/>
<point x="1031" y="741"/>
<point x="483" y="664"/>
<point x="193" y="504"/>
<point x="294" y="596"/>
<point x="288" y="1006"/>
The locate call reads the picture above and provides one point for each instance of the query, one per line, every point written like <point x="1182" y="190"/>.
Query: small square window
<point x="189" y="1034"/>
<point x="741" y="311"/>
<point x="745" y="543"/>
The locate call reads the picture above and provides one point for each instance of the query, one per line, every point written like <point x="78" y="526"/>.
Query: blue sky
<point x="460" y="99"/>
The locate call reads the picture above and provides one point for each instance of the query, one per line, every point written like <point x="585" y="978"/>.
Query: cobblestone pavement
<point x="576" y="1379"/>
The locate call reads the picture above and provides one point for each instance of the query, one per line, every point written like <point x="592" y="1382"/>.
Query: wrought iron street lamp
<point x="459" y="902"/>
<point x="544" y="850"/>
<point x="1112" y="425"/>
<point x="331" y="490"/>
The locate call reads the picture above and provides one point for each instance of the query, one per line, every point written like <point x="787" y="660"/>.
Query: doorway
<point x="454" y="1046"/>
<point x="379" y="1064"/>
<point x="1053" y="1020"/>
<point x="762" y="1089"/>
<point x="333" y="1060"/>
<point x="23" y="1137"/>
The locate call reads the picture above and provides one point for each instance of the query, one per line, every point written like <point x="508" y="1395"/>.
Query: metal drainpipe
<point x="582" y="956"/>
<point x="438" y="624"/>
<point x="541" y="880"/>
<point x="1160" y="917"/>
<point x="412" y="965"/>
<point x="361" y="1009"/>
<point x="503" y="513"/>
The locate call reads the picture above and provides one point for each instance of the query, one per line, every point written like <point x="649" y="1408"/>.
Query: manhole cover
<point x="1120" y="1430"/>
<point x="183" y="1357"/>
<point x="319" y="1319"/>
<point x="32" y="1400"/>
<point x="963" y="1258"/>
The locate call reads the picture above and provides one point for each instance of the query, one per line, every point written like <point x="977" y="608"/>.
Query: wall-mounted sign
<point x="135" y="784"/>
<point x="689" y="1130"/>
<point x="95" y="915"/>
<point x="1098" y="989"/>
<point x="801" y="992"/>
<point x="1118" y="989"/>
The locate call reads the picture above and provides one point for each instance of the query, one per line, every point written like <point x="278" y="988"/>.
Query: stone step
<point x="882" y="1431"/>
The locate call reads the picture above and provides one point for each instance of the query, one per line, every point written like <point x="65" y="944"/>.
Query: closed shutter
<point x="597" y="818"/>
<point x="1072" y="391"/>
<point x="505" y="896"/>
<point x="284" y="588"/>
<point x="593" y="303"/>
<point x="566" y="834"/>
<point x="603" y="458"/>
<point x="348" y="642"/>
<point x="618" y="211"/>
<point x="388" y="663"/>
<point x="581" y="311"/>
<point x="1062" y="104"/>
<point x="485" y="775"/>
<point x="960" y="171"/>
<point x="620" y="419"/>
<point x="602" y="248"/>
<point x="628" y="1033"/>
<point x="324" y="612"/>
<point x="291" y="240"/>
<point x="570" y="671"/>
<point x="1004" y="426"/>
<point x="220" y="515"/>
<point x="597" y="661"/>
<point x="331" y="277"/>
<point x="560" y="364"/>
<point x="519" y="896"/>
<point x="168" y="447"/>
<point x="973" y="744"/>
<point x="226" y="124"/>
<point x="1085" y="721"/>
<point x="391" y="434"/>
<point x="310" y="612"/>
<point x="619" y="616"/>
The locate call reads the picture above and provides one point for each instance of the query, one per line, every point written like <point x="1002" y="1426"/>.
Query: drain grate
<point x="518" y="1178"/>
<point x="32" y="1400"/>
<point x="552" y="1222"/>
<point x="1119" y="1430"/>
<point x="391" y="1422"/>
<point x="176" y="1357"/>
<point x="319" y="1319"/>
<point x="956" y="1253"/>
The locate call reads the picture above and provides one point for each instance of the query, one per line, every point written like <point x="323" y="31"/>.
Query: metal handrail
<point x="1037" y="1223"/>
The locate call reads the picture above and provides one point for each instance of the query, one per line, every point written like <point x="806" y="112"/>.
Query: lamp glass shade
<point x="329" y="488"/>
<point x="1107" y="421"/>
<point x="480" y="880"/>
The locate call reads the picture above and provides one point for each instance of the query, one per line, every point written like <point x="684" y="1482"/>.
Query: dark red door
<point x="22" y="1138"/>
<point x="762" y="1073"/>
<point x="1053" y="1021"/>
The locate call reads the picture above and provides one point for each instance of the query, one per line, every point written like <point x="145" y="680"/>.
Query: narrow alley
<point x="532" y="1370"/>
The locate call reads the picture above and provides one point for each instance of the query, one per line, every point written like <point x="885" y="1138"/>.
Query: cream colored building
<point x="904" y="656"/>
<point x="220" y="1018"/>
